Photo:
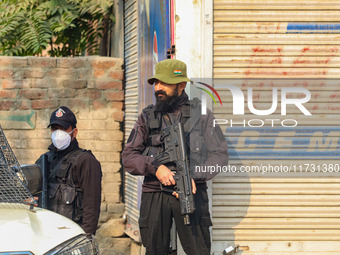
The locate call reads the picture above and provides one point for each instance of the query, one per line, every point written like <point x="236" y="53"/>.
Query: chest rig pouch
<point x="65" y="197"/>
<point x="190" y="112"/>
<point x="154" y="123"/>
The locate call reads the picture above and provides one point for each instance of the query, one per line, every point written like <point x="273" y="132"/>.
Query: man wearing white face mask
<point x="74" y="180"/>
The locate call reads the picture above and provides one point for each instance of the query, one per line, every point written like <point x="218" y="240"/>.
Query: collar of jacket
<point x="183" y="98"/>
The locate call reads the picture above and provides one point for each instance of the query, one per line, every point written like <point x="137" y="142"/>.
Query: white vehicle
<point x="27" y="229"/>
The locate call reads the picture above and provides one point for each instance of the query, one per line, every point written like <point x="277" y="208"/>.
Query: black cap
<point x="64" y="117"/>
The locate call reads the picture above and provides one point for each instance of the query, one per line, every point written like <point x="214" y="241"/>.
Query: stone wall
<point x="32" y="87"/>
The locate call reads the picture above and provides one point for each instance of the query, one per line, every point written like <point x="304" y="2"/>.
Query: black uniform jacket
<point x="212" y="137"/>
<point x="87" y="176"/>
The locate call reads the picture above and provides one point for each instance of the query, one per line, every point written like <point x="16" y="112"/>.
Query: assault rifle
<point x="175" y="152"/>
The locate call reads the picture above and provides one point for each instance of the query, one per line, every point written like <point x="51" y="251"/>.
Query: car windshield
<point x="12" y="180"/>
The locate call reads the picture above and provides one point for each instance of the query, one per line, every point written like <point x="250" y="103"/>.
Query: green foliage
<point x="62" y="27"/>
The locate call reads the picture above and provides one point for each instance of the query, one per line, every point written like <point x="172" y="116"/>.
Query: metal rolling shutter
<point x="131" y="108"/>
<point x="277" y="43"/>
<point x="145" y="22"/>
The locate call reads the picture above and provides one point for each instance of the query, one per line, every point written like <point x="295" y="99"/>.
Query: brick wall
<point x="32" y="87"/>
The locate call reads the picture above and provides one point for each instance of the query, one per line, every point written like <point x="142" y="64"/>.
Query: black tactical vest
<point x="64" y="197"/>
<point x="192" y="127"/>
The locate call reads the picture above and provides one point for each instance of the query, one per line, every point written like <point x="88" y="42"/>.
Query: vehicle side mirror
<point x="34" y="177"/>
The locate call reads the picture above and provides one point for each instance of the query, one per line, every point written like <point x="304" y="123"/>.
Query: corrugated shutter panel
<point x="279" y="43"/>
<point x="131" y="108"/>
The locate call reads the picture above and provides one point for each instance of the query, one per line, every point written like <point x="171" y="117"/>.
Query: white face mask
<point x="61" y="139"/>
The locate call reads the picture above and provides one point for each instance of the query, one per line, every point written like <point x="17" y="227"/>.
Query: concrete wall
<point x="32" y="87"/>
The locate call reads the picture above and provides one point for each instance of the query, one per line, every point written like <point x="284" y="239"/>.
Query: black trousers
<point x="156" y="213"/>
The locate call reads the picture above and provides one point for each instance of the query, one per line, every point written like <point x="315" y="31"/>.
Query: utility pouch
<point x="68" y="194"/>
<point x="67" y="200"/>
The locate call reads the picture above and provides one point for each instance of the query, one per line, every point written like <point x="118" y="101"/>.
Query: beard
<point x="166" y="103"/>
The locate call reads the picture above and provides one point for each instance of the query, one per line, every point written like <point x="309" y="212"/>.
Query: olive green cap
<point x="170" y="71"/>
